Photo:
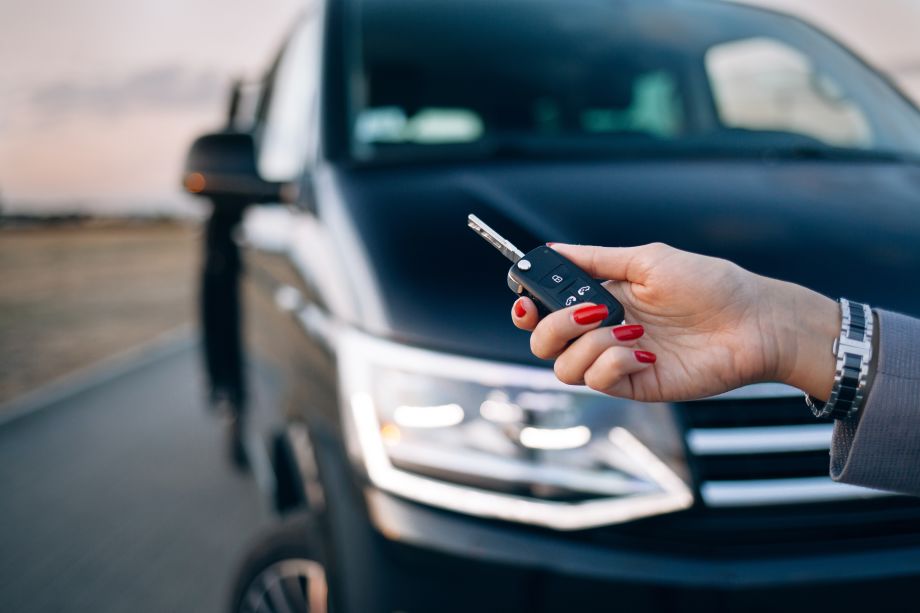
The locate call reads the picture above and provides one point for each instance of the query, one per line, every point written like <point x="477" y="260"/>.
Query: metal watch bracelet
<point x="853" y="350"/>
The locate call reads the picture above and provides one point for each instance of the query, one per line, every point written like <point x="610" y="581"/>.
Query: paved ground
<point x="75" y="293"/>
<point x="117" y="499"/>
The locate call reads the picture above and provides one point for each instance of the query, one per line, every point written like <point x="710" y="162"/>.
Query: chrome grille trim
<point x="737" y="440"/>
<point x="781" y="491"/>
<point x="765" y="439"/>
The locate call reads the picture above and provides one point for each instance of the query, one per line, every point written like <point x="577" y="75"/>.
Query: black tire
<point x="286" y="565"/>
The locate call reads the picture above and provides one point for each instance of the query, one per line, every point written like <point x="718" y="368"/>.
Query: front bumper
<point x="390" y="554"/>
<point x="413" y="525"/>
<point x="433" y="561"/>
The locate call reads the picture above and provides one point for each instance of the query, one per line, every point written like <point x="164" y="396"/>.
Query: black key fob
<point x="553" y="283"/>
<point x="548" y="278"/>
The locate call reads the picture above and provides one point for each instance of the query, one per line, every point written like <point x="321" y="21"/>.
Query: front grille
<point x="762" y="450"/>
<point x="758" y="466"/>
<point x="760" y="461"/>
<point x="750" y="412"/>
<point x="761" y="467"/>
<point x="809" y="529"/>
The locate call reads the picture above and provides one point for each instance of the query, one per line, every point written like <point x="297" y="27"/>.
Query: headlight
<point x="506" y="441"/>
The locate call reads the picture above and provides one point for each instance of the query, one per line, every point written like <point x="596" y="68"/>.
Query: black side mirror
<point x="223" y="166"/>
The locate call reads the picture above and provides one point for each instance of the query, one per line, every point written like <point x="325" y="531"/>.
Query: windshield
<point x="522" y="77"/>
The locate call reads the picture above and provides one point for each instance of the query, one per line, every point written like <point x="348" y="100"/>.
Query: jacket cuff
<point x="880" y="446"/>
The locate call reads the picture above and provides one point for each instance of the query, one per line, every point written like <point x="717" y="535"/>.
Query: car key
<point x="549" y="279"/>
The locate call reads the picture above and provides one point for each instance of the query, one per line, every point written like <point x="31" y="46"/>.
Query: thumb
<point x="616" y="263"/>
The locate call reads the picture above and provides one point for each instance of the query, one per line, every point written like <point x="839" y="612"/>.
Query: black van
<point x="424" y="460"/>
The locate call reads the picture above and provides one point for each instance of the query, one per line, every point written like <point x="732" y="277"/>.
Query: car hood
<point x="841" y="228"/>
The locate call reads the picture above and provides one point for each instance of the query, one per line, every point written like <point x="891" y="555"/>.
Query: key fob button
<point x="584" y="290"/>
<point x="557" y="279"/>
<point x="570" y="299"/>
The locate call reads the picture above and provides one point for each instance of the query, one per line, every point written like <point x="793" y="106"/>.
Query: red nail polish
<point x="550" y="244"/>
<point x="629" y="332"/>
<point x="519" y="309"/>
<point x="590" y="314"/>
<point x="646" y="357"/>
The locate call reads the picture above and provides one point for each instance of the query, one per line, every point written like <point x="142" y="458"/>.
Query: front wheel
<point x="283" y="572"/>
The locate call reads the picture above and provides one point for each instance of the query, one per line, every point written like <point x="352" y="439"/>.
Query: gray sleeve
<point x="880" y="447"/>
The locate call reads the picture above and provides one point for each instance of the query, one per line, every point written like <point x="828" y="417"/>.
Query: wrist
<point x="808" y="324"/>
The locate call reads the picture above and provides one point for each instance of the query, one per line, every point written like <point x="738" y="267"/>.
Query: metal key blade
<point x="494" y="238"/>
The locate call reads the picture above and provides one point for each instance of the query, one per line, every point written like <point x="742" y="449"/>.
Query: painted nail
<point x="550" y="244"/>
<point x="519" y="309"/>
<point x="629" y="332"/>
<point x="646" y="357"/>
<point x="590" y="314"/>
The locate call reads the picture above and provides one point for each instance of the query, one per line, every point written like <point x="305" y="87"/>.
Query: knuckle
<point x="565" y="373"/>
<point x="612" y="359"/>
<point x="607" y="369"/>
<point x="659" y="248"/>
<point x="553" y="326"/>
<point x="595" y="380"/>
<point x="538" y="348"/>
<point x="600" y="339"/>
<point x="596" y="258"/>
<point x="543" y="339"/>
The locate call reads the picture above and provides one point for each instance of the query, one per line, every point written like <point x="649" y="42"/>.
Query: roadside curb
<point x="160" y="347"/>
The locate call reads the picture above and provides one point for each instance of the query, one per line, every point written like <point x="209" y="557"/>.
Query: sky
<point x="99" y="99"/>
<point x="884" y="32"/>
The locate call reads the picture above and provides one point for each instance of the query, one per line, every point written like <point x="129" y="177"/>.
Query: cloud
<point x="163" y="87"/>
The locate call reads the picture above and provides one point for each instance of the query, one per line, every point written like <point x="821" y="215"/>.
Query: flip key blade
<point x="494" y="238"/>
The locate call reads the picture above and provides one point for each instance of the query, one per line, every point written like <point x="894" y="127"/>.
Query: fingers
<point x="611" y="370"/>
<point x="601" y="358"/>
<point x="571" y="365"/>
<point x="553" y="333"/>
<point x="524" y="314"/>
<point x="618" y="263"/>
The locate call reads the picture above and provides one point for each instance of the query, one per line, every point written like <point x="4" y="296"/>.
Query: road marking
<point x="161" y="347"/>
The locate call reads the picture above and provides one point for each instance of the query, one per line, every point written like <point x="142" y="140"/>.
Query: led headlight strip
<point x="360" y="353"/>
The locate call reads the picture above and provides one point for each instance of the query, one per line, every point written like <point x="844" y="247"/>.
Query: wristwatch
<point x="853" y="350"/>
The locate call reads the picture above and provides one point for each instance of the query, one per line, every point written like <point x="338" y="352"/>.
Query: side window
<point x="285" y="140"/>
<point x="763" y="84"/>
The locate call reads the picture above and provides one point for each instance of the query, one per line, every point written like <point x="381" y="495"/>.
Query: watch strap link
<point x="853" y="351"/>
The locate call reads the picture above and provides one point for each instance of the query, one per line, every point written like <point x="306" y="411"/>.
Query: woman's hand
<point x="696" y="326"/>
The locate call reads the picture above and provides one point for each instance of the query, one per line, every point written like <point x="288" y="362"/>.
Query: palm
<point x="704" y="342"/>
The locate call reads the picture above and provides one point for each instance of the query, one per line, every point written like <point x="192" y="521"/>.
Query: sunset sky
<point x="100" y="98"/>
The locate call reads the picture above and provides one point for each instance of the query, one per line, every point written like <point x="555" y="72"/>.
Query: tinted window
<point x="522" y="76"/>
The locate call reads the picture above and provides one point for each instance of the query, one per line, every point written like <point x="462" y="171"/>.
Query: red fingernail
<point x="519" y="309"/>
<point x="550" y="244"/>
<point x="628" y="333"/>
<point x="646" y="357"/>
<point x="590" y="314"/>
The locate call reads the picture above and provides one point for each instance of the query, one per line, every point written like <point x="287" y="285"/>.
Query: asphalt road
<point x="117" y="498"/>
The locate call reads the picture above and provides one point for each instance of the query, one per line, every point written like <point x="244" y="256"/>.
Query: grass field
<point x="73" y="294"/>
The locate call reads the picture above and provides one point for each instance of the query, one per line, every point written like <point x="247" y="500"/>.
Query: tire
<point x="283" y="572"/>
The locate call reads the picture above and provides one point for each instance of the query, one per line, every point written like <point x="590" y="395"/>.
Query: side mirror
<point x="222" y="165"/>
